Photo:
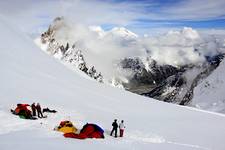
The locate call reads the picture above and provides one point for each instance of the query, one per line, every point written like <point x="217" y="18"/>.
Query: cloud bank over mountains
<point x="104" y="48"/>
<point x="102" y="29"/>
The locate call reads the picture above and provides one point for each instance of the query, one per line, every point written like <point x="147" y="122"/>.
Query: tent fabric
<point x="21" y="107"/>
<point x="66" y="127"/>
<point x="88" y="131"/>
<point x="23" y="111"/>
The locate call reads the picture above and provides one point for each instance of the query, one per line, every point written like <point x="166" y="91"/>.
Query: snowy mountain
<point x="190" y="57"/>
<point x="116" y="32"/>
<point x="121" y="33"/>
<point x="209" y="94"/>
<point x="29" y="75"/>
<point x="176" y="85"/>
<point x="59" y="47"/>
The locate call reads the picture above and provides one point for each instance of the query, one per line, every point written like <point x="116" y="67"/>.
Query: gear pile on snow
<point x="23" y="111"/>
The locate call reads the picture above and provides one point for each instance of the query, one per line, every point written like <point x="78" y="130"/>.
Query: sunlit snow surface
<point x="29" y="75"/>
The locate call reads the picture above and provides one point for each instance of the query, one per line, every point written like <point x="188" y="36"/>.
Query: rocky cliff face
<point x="173" y="84"/>
<point x="65" y="51"/>
<point x="165" y="82"/>
<point x="141" y="75"/>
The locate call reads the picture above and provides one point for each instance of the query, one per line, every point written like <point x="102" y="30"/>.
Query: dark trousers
<point x="33" y="112"/>
<point x="40" y="115"/>
<point x="114" y="130"/>
<point x="121" y="132"/>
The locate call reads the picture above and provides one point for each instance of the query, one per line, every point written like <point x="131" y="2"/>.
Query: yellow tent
<point x="66" y="127"/>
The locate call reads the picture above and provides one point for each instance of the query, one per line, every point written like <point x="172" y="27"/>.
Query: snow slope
<point x="209" y="95"/>
<point x="28" y="75"/>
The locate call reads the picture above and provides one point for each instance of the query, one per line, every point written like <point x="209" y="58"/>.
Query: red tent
<point x="88" y="131"/>
<point x="23" y="111"/>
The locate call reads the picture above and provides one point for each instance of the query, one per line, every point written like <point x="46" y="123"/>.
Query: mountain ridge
<point x="142" y="74"/>
<point x="28" y="75"/>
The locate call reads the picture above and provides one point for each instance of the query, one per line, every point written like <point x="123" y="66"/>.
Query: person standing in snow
<point x="121" y="127"/>
<point x="115" y="126"/>
<point x="33" y="107"/>
<point x="39" y="111"/>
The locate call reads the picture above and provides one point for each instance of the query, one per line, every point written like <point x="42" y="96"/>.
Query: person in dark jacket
<point x="33" y="107"/>
<point x="39" y="111"/>
<point x="114" y="129"/>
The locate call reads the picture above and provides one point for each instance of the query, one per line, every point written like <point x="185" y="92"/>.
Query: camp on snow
<point x="23" y="111"/>
<point x="66" y="127"/>
<point x="88" y="131"/>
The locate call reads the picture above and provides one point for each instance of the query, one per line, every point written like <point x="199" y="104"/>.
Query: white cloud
<point x="196" y="10"/>
<point x="102" y="48"/>
<point x="191" y="10"/>
<point x="33" y="15"/>
<point x="175" y="49"/>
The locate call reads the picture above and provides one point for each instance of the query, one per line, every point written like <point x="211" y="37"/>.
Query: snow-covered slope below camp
<point x="28" y="75"/>
<point x="210" y="95"/>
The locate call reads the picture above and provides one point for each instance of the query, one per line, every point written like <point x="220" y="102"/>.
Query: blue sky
<point x="140" y="16"/>
<point x="207" y="14"/>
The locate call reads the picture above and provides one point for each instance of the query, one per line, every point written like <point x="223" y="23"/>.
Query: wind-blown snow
<point x="29" y="75"/>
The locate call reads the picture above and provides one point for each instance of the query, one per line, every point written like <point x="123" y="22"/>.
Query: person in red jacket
<point x="39" y="111"/>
